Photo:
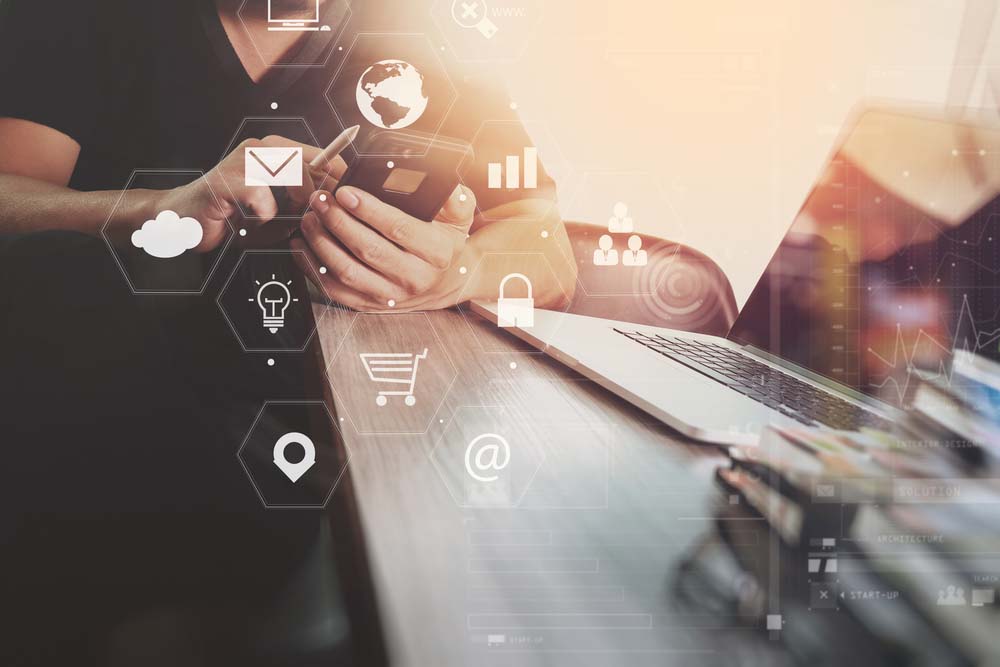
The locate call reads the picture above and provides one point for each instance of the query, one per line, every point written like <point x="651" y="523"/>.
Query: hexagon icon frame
<point x="433" y="456"/>
<point x="463" y="300"/>
<point x="235" y="141"/>
<point x="552" y="148"/>
<point x="335" y="36"/>
<point x="335" y="429"/>
<point x="663" y="203"/>
<point x="232" y="326"/>
<point x="441" y="350"/>
<point x="434" y="57"/>
<point x="453" y="25"/>
<point x="114" y="252"/>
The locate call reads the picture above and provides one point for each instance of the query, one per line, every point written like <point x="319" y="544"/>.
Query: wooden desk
<point x="578" y="571"/>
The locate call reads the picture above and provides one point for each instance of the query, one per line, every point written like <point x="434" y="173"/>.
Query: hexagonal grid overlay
<point x="266" y="301"/>
<point x="323" y="36"/>
<point x="185" y="273"/>
<point x="668" y="284"/>
<point x="293" y="455"/>
<point x="577" y="440"/>
<point x="487" y="30"/>
<point x="487" y="459"/>
<point x="509" y="157"/>
<point x="583" y="454"/>
<point x="391" y="373"/>
<point x="534" y="266"/>
<point x="347" y="92"/>
<point x="622" y="204"/>
<point x="295" y="128"/>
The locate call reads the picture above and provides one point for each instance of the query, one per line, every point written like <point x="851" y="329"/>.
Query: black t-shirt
<point x="158" y="85"/>
<point x="154" y="409"/>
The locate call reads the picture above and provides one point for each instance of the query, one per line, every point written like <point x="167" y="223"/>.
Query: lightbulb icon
<point x="273" y="299"/>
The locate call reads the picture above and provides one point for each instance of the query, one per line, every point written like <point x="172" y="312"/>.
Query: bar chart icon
<point x="496" y="179"/>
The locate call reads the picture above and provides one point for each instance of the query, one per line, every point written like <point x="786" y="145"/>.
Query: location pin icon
<point x="294" y="471"/>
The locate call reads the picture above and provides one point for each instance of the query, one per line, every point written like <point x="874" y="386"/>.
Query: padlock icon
<point x="515" y="312"/>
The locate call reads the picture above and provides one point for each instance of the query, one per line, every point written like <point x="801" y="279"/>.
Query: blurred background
<point x="712" y="119"/>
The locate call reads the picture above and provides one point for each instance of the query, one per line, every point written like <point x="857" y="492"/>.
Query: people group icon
<point x="620" y="223"/>
<point x="951" y="597"/>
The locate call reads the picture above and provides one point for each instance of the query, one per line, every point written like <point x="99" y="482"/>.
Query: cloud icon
<point x="168" y="235"/>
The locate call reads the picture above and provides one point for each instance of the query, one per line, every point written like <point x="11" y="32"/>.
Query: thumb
<point x="459" y="210"/>
<point x="213" y="234"/>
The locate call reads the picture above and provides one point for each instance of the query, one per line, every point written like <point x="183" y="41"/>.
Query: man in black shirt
<point x="123" y="490"/>
<point x="94" y="91"/>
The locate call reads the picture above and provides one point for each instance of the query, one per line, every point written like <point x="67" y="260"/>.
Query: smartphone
<point x="413" y="171"/>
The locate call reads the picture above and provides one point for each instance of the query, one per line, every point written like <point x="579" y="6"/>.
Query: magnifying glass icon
<point x="473" y="14"/>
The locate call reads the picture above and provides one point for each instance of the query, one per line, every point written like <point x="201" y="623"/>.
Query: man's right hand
<point x="223" y="193"/>
<point x="37" y="163"/>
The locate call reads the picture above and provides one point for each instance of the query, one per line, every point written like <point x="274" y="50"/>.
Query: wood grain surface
<point x="569" y="557"/>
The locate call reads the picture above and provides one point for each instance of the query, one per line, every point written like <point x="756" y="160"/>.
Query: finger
<point x="337" y="292"/>
<point x="327" y="175"/>
<point x="298" y="194"/>
<point x="424" y="240"/>
<point x="332" y="288"/>
<point x="334" y="167"/>
<point x="344" y="266"/>
<point x="256" y="203"/>
<point x="374" y="249"/>
<point x="459" y="210"/>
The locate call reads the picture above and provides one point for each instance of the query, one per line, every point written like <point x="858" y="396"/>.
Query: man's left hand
<point x="379" y="258"/>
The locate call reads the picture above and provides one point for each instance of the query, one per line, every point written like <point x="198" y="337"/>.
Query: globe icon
<point x="391" y="95"/>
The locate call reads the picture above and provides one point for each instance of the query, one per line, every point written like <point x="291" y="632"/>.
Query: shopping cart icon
<point x="398" y="368"/>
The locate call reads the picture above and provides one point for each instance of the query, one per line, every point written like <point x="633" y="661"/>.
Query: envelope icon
<point x="826" y="490"/>
<point x="272" y="166"/>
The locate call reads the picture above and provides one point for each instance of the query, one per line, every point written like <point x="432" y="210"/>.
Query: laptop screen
<point x="893" y="260"/>
<point x="278" y="11"/>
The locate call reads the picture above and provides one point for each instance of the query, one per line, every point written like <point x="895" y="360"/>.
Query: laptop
<point x="889" y="265"/>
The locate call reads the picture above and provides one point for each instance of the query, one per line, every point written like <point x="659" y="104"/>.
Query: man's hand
<point x="223" y="193"/>
<point x="379" y="258"/>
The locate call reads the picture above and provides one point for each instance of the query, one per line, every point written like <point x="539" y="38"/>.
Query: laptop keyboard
<point x="783" y="392"/>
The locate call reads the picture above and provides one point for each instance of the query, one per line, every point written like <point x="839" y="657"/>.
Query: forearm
<point x="31" y="205"/>
<point x="518" y="228"/>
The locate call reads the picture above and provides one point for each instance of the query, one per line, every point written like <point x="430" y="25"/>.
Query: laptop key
<point x="769" y="386"/>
